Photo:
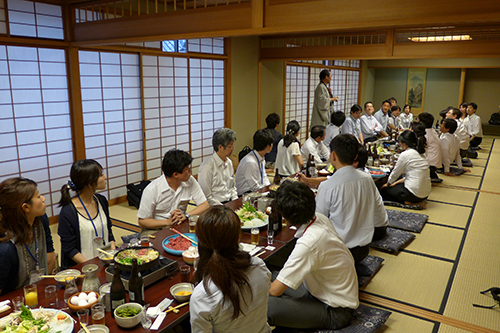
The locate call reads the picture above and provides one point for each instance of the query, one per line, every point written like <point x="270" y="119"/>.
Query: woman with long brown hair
<point x="233" y="290"/>
<point x="23" y="248"/>
<point x="84" y="222"/>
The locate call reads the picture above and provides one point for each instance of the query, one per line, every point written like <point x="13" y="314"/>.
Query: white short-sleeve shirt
<point x="251" y="173"/>
<point x="321" y="261"/>
<point x="350" y="199"/>
<point x="158" y="198"/>
<point x="285" y="160"/>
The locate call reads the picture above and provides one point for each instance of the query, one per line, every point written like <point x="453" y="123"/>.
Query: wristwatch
<point x="187" y="215"/>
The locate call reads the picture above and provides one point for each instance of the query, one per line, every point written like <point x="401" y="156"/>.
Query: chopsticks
<point x="84" y="327"/>
<point x="61" y="276"/>
<point x="105" y="252"/>
<point x="180" y="233"/>
<point x="175" y="309"/>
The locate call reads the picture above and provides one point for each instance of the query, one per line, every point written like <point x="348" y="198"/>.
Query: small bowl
<point x="105" y="258"/>
<point x="189" y="260"/>
<point x="127" y="322"/>
<point x="180" y="287"/>
<point x="95" y="329"/>
<point x="384" y="160"/>
<point x="75" y="308"/>
<point x="67" y="272"/>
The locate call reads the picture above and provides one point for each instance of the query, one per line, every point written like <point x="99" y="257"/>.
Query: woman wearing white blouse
<point x="233" y="287"/>
<point x="406" y="118"/>
<point x="415" y="186"/>
<point x="289" y="159"/>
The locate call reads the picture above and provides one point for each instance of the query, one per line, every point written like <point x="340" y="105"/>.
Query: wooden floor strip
<point x="375" y="300"/>
<point x="125" y="225"/>
<point x="466" y="189"/>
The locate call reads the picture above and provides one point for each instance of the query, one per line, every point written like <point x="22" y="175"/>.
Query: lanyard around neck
<point x="354" y="124"/>
<point x="260" y="168"/>
<point x="314" y="220"/>
<point x="35" y="259"/>
<point x="92" y="221"/>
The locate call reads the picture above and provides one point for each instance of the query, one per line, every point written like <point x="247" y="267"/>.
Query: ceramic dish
<point x="176" y="252"/>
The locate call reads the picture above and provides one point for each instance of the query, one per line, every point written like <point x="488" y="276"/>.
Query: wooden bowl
<point x="75" y="308"/>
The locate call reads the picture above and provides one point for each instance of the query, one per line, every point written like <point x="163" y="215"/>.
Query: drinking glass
<point x="185" y="270"/>
<point x="18" y="301"/>
<point x="31" y="295"/>
<point x="270" y="237"/>
<point x="255" y="236"/>
<point x="51" y="296"/>
<point x="83" y="316"/>
<point x="98" y="314"/>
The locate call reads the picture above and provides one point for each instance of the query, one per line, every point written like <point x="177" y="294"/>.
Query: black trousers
<point x="399" y="193"/>
<point x="475" y="142"/>
<point x="432" y="171"/>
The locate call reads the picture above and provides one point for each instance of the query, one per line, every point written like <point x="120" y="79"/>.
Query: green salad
<point x="248" y="212"/>
<point x="26" y="322"/>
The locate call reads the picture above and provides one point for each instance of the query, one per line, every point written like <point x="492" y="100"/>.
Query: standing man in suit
<point x="323" y="100"/>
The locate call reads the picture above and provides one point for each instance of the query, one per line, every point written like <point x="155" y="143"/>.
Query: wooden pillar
<point x="462" y="86"/>
<point x="75" y="103"/>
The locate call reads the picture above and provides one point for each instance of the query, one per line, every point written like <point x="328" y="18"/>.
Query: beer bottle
<point x="117" y="292"/>
<point x="308" y="166"/>
<point x="275" y="219"/>
<point x="136" y="285"/>
<point x="276" y="177"/>
<point x="313" y="171"/>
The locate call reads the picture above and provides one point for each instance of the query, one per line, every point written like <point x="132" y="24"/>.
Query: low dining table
<point x="156" y="292"/>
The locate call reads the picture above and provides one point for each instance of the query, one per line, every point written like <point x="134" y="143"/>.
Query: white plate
<point x="255" y="223"/>
<point x="64" y="326"/>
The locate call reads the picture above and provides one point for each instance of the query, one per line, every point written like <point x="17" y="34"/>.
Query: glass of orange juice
<point x="31" y="295"/>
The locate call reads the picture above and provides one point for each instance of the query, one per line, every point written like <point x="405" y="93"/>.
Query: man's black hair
<point x="451" y="125"/>
<point x="427" y="119"/>
<point x="273" y="120"/>
<point x="317" y="131"/>
<point x="345" y="147"/>
<point x="175" y="160"/>
<point x="262" y="138"/>
<point x="337" y="118"/>
<point x="474" y="105"/>
<point x="296" y="202"/>
<point x="324" y="73"/>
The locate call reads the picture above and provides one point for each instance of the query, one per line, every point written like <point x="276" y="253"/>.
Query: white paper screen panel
<point x="184" y="105"/>
<point x="35" y="19"/>
<point x="35" y="132"/>
<point x="111" y="104"/>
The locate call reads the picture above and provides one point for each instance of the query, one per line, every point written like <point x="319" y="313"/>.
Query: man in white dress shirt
<point x="474" y="127"/>
<point x="314" y="145"/>
<point x="450" y="145"/>
<point x="216" y="174"/>
<point x="352" y="124"/>
<point x="333" y="129"/>
<point x="433" y="149"/>
<point x="317" y="286"/>
<point x="370" y="127"/>
<point x="382" y="115"/>
<point x="251" y="173"/>
<point x="161" y="200"/>
<point x="461" y="132"/>
<point x="353" y="215"/>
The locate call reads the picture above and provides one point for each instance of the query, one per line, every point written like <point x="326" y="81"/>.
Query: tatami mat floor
<point x="442" y="271"/>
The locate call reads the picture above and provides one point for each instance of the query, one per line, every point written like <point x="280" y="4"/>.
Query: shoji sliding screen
<point x="111" y="103"/>
<point x="184" y="105"/>
<point x="35" y="133"/>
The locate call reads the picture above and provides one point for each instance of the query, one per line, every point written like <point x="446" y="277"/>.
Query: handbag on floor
<point x="134" y="193"/>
